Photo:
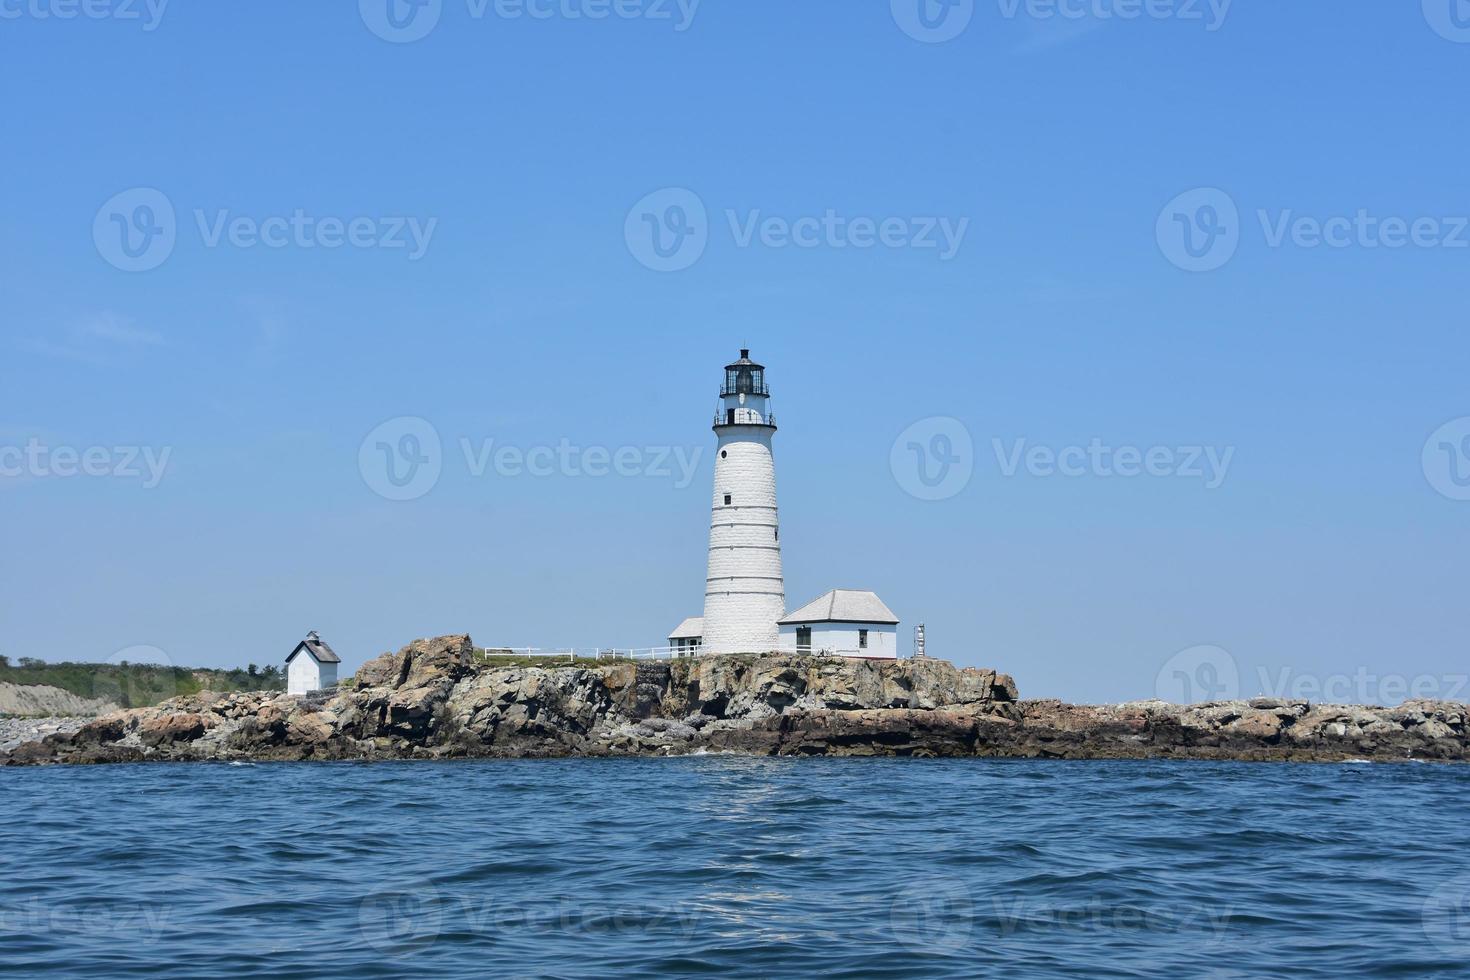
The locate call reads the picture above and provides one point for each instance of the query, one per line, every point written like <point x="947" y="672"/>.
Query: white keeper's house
<point x="312" y="666"/>
<point x="744" y="587"/>
<point x="846" y="622"/>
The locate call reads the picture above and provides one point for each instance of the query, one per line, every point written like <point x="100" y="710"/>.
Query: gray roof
<point x="844" y="606"/>
<point x="318" y="648"/>
<point x="691" y="629"/>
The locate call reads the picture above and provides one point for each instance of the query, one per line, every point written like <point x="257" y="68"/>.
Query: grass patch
<point x="137" y="685"/>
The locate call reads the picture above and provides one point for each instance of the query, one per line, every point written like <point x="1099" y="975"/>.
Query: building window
<point x="862" y="639"/>
<point x="724" y="454"/>
<point x="803" y="639"/>
<point x="727" y="500"/>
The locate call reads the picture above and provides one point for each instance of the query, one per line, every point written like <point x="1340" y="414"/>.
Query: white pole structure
<point x="745" y="592"/>
<point x="919" y="653"/>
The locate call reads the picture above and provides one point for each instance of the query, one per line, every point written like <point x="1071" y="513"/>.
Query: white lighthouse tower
<point x="745" y="593"/>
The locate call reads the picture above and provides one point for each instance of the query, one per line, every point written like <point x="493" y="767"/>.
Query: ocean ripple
<point x="722" y="865"/>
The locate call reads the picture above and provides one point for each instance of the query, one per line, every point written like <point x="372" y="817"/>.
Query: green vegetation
<point x="138" y="685"/>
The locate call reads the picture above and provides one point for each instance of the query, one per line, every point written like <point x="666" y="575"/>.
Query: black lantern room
<point x="745" y="377"/>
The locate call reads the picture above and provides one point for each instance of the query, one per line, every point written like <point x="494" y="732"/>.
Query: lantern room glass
<point x="745" y="379"/>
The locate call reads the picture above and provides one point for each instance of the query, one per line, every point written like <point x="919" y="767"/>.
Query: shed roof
<point x="318" y="648"/>
<point x="691" y="629"/>
<point x="844" y="606"/>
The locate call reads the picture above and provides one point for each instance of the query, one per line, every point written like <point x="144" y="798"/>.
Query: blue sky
<point x="527" y="151"/>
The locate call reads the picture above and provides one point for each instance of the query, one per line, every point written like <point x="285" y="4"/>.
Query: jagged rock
<point x="173" y="728"/>
<point x="430" y="701"/>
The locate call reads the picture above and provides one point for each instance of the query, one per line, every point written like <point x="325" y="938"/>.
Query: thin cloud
<point x="120" y="330"/>
<point x="95" y="339"/>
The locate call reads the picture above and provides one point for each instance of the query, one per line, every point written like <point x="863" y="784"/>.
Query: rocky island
<point x="435" y="700"/>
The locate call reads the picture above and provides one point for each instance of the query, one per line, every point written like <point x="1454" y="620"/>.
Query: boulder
<point x="170" y="728"/>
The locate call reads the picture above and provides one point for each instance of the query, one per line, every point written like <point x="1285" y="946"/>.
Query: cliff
<point x="432" y="701"/>
<point x="40" y="700"/>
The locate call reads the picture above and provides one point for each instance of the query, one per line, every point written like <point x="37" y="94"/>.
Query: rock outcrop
<point x="431" y="700"/>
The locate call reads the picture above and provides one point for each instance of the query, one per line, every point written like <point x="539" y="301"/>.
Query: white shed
<point x="845" y="622"/>
<point x="688" y="636"/>
<point x="312" y="666"/>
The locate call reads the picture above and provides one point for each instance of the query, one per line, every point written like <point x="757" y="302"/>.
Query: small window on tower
<point x="727" y="500"/>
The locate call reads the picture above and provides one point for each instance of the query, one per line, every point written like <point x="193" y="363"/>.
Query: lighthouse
<point x="745" y="593"/>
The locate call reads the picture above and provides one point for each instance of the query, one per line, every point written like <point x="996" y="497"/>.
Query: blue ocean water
<point x="735" y="866"/>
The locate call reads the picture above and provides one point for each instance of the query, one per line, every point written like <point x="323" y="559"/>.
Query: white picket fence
<point x="596" y="653"/>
